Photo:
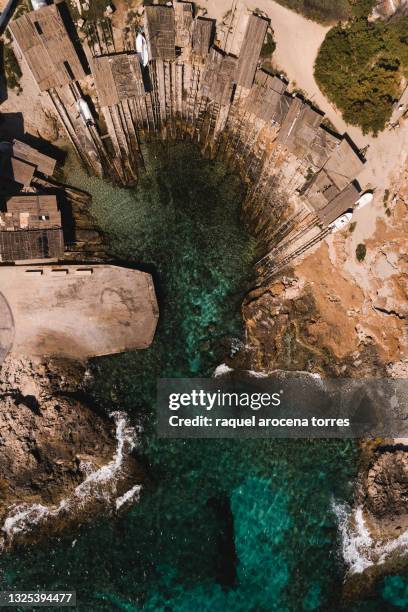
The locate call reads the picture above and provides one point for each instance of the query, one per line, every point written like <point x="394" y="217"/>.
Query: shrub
<point x="360" y="68"/>
<point x="11" y="68"/>
<point x="323" y="11"/>
<point x="361" y="251"/>
<point x="268" y="47"/>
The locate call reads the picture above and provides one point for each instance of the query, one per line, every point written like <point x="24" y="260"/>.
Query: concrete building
<point x="76" y="311"/>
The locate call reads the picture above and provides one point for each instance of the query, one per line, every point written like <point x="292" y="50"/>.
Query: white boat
<point x="365" y="199"/>
<point x="85" y="112"/>
<point x="38" y="4"/>
<point x="141" y="48"/>
<point x="340" y="222"/>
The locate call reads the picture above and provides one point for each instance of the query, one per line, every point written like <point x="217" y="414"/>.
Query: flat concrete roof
<point x="78" y="311"/>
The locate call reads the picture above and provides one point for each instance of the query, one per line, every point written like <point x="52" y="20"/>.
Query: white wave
<point x="222" y="369"/>
<point x="99" y="483"/>
<point x="132" y="495"/>
<point x="359" y="549"/>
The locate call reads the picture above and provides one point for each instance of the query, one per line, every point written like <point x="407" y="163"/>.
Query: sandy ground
<point x="297" y="44"/>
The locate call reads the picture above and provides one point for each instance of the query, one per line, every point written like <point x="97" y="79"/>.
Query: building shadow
<point x="11" y="126"/>
<point x="45" y="147"/>
<point x="73" y="35"/>
<point x="3" y="81"/>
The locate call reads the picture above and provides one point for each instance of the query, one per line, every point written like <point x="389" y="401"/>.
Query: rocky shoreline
<point x="62" y="461"/>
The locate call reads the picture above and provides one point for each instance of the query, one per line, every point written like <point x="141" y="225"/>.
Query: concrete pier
<point x="76" y="311"/>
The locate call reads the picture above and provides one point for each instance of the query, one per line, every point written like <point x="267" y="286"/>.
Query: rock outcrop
<point x="60" y="461"/>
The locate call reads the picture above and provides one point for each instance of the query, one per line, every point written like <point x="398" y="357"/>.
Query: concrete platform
<point x="76" y="311"/>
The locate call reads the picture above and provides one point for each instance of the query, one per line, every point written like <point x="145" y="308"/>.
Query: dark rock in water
<point x="60" y="461"/>
<point x="387" y="484"/>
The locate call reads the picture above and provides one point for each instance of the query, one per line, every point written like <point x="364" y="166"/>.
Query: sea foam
<point x="359" y="549"/>
<point x="98" y="484"/>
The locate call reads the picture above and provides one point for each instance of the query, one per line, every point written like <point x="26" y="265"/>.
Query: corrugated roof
<point x="31" y="244"/>
<point x="265" y="97"/>
<point x="300" y="129"/>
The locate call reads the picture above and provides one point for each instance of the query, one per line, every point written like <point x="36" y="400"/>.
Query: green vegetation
<point x="360" y="68"/>
<point x="352" y="227"/>
<point x="96" y="9"/>
<point x="361" y="251"/>
<point x="323" y="11"/>
<point x="269" y="46"/>
<point x="12" y="68"/>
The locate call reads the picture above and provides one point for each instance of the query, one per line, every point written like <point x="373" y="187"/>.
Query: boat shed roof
<point x="43" y="163"/>
<point x="183" y="13"/>
<point x="344" y="201"/>
<point x="218" y="78"/>
<point x="31" y="211"/>
<point x="303" y="131"/>
<point x="31" y="244"/>
<point x="300" y="127"/>
<point x="321" y="147"/>
<point x="343" y="164"/>
<point x="265" y="97"/>
<point x="16" y="170"/>
<point x="43" y="40"/>
<point x="320" y="191"/>
<point x="160" y="32"/>
<point x="250" y="50"/>
<point x="117" y="77"/>
<point x="202" y="33"/>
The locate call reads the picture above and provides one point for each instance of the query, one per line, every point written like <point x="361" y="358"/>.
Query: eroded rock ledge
<point x="61" y="461"/>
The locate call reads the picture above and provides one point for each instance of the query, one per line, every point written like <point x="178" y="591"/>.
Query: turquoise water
<point x="222" y="525"/>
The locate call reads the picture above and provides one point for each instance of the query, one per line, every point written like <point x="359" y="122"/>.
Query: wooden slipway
<point x="78" y="311"/>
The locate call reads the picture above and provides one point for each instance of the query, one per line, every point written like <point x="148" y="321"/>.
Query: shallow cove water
<point x="223" y="525"/>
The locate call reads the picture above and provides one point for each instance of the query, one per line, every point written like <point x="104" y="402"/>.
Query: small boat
<point x="340" y="222"/>
<point x="38" y="4"/>
<point x="141" y="48"/>
<point x="85" y="112"/>
<point x="365" y="199"/>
